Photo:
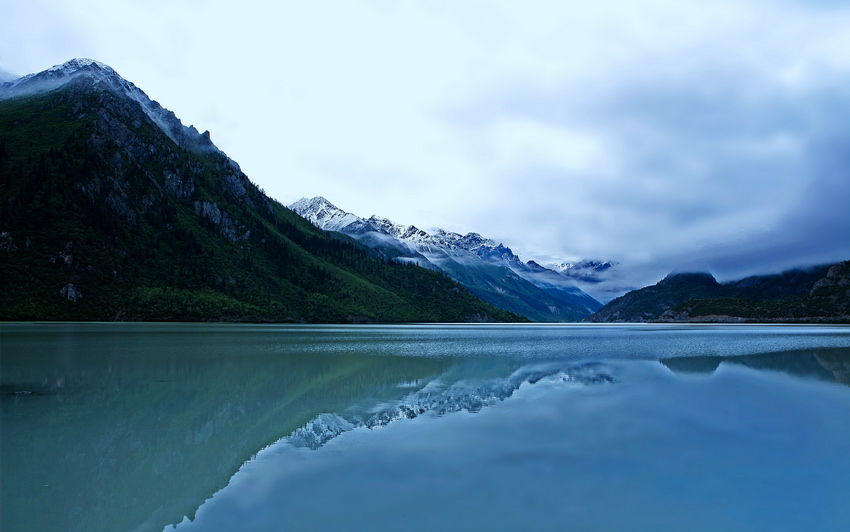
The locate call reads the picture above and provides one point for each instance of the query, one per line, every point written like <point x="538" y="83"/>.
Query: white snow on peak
<point x="324" y="214"/>
<point x="445" y="250"/>
<point x="69" y="67"/>
<point x="438" y="243"/>
<point x="327" y="216"/>
<point x="104" y="78"/>
<point x="55" y="76"/>
<point x="583" y="267"/>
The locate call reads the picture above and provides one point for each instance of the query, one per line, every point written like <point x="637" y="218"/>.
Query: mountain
<point x="588" y="271"/>
<point x="601" y="279"/>
<point x="816" y="294"/>
<point x="88" y="74"/>
<point x="647" y="304"/>
<point x="489" y="270"/>
<point x="112" y="209"/>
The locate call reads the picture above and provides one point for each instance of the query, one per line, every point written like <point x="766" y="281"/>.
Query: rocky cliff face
<point x="835" y="287"/>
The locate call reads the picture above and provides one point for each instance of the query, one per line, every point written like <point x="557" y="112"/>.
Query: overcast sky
<point x="662" y="134"/>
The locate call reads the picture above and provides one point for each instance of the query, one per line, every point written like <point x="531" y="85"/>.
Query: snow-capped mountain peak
<point x="315" y="207"/>
<point x="72" y="66"/>
<point x="325" y="214"/>
<point x="584" y="268"/>
<point x="331" y="218"/>
<point x="489" y="269"/>
<point x="97" y="76"/>
<point x="59" y="74"/>
<point x="383" y="225"/>
<point x="56" y="76"/>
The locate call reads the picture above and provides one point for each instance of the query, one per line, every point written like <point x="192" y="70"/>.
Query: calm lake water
<point x="138" y="427"/>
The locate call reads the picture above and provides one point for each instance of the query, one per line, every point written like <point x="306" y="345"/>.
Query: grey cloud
<point x="816" y="229"/>
<point x="727" y="170"/>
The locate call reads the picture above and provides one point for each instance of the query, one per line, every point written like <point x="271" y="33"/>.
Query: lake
<point x="198" y="427"/>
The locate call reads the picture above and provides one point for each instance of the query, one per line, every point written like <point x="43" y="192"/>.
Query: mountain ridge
<point x="85" y="70"/>
<point x="112" y="209"/>
<point x="487" y="268"/>
<point x="815" y="294"/>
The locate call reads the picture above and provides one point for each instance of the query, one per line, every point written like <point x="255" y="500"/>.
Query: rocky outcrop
<point x="211" y="211"/>
<point x="178" y="187"/>
<point x="7" y="243"/>
<point x="71" y="292"/>
<point x="836" y="284"/>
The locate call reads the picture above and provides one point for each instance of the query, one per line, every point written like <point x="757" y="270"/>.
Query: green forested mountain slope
<point x="818" y="294"/>
<point x="104" y="216"/>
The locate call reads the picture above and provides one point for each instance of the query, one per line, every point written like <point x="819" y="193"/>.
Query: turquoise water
<point x="247" y="427"/>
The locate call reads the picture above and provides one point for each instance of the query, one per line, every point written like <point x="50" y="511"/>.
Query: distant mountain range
<point x="818" y="294"/>
<point x="488" y="269"/>
<point x="112" y="209"/>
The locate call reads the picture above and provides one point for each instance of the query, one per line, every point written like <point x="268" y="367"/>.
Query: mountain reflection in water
<point x="134" y="427"/>
<point x="125" y="433"/>
<point x="823" y="364"/>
